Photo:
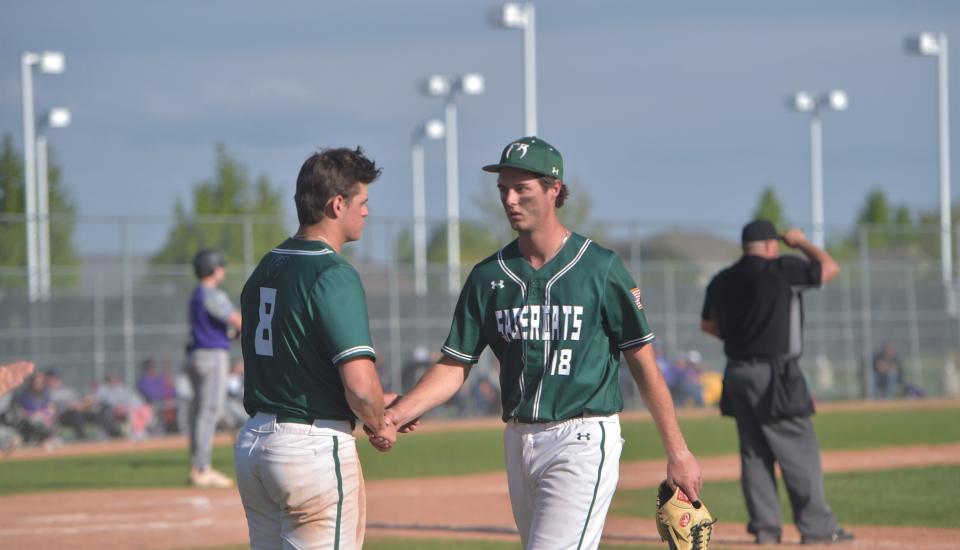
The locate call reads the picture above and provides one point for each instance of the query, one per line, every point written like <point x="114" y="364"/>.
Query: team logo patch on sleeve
<point x="636" y="297"/>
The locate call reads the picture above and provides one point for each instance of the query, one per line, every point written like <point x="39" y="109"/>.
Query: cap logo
<point x="522" y="147"/>
<point x="556" y="172"/>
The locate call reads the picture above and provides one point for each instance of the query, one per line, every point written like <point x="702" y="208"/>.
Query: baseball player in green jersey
<point x="309" y="370"/>
<point x="558" y="311"/>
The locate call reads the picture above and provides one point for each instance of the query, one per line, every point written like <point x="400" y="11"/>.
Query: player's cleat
<point x="840" y="535"/>
<point x="209" y="479"/>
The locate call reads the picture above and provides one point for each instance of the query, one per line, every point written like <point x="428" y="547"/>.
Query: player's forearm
<point x="361" y="387"/>
<point x="437" y="386"/>
<point x="829" y="268"/>
<point x="656" y="396"/>
<point x="368" y="406"/>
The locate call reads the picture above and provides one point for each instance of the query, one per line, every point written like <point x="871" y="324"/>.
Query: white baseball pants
<point x="301" y="485"/>
<point x="562" y="476"/>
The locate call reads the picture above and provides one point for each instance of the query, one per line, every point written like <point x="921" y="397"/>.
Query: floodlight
<point x="512" y="16"/>
<point x="471" y="84"/>
<point x="437" y="85"/>
<point x="434" y="129"/>
<point x="58" y="117"/>
<point x="925" y="43"/>
<point x="803" y="102"/>
<point x="838" y="100"/>
<point x="52" y="62"/>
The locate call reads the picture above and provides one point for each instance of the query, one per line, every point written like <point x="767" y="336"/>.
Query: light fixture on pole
<point x="49" y="63"/>
<point x="522" y="16"/>
<point x="58" y="117"/>
<point x="935" y="45"/>
<point x="448" y="88"/>
<point x="805" y="102"/>
<point x="432" y="129"/>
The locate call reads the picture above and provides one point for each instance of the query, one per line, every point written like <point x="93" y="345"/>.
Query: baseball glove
<point x="682" y="524"/>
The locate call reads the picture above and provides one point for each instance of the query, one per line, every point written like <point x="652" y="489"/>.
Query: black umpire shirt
<point x="757" y="306"/>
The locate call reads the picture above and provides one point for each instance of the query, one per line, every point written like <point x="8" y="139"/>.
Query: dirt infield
<point x="467" y="506"/>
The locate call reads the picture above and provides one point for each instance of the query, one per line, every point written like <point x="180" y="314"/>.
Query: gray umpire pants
<point x="208" y="376"/>
<point x="790" y="442"/>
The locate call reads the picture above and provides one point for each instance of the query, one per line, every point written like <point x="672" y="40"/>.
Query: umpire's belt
<point x="752" y="359"/>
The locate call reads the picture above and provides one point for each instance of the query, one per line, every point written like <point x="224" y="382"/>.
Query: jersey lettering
<point x="263" y="344"/>
<point x="537" y="322"/>
<point x="561" y="362"/>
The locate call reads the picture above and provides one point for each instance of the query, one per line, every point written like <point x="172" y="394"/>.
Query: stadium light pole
<point x="49" y="63"/>
<point x="935" y="45"/>
<point x="805" y="102"/>
<point x="448" y="88"/>
<point x="432" y="129"/>
<point x="58" y="117"/>
<point x="522" y="16"/>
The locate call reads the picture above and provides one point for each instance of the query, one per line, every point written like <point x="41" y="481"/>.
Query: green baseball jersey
<point x="558" y="331"/>
<point x="304" y="311"/>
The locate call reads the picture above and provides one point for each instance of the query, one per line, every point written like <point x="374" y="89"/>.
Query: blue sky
<point x="672" y="114"/>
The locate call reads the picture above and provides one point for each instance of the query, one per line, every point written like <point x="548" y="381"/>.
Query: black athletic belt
<point x="310" y="421"/>
<point x="753" y="358"/>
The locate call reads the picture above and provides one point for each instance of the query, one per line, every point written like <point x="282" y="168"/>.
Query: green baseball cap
<point x="531" y="154"/>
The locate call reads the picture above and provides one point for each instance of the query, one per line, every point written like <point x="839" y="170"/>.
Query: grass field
<point x="476" y="451"/>
<point x="891" y="497"/>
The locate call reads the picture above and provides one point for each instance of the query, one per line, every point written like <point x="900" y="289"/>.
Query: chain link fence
<point x="114" y="308"/>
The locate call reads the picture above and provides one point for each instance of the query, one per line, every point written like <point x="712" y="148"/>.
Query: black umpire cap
<point x="758" y="230"/>
<point x="207" y="261"/>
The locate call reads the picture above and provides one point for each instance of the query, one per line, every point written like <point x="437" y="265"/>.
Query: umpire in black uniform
<point x="755" y="306"/>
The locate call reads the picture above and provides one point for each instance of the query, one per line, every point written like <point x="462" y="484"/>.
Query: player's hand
<point x="384" y="439"/>
<point x="683" y="470"/>
<point x="405" y="428"/>
<point x="793" y="238"/>
<point x="12" y="374"/>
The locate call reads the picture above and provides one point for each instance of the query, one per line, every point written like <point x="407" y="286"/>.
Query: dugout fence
<point x="115" y="307"/>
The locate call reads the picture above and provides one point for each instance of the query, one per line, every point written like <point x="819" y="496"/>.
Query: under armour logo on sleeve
<point x="496" y="284"/>
<point x="583" y="436"/>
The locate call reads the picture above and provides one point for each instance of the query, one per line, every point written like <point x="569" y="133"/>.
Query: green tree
<point x="770" y="208"/>
<point x="215" y="219"/>
<point x="13" y="247"/>
<point x="876" y="213"/>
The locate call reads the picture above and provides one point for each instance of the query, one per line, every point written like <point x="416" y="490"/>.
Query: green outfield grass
<point x="923" y="497"/>
<point x="475" y="451"/>
<point x="456" y="453"/>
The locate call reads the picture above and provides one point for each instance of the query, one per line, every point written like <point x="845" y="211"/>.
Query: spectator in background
<point x="667" y="368"/>
<point x="686" y="388"/>
<point x="72" y="411"/>
<point x="183" y="389"/>
<point x="887" y="372"/>
<point x="413" y="369"/>
<point x="234" y="415"/>
<point x="124" y="405"/>
<point x="35" y="412"/>
<point x="157" y="389"/>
